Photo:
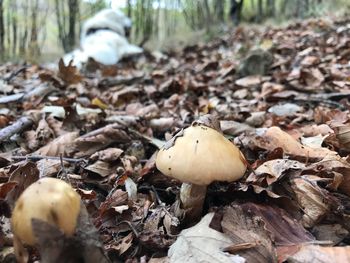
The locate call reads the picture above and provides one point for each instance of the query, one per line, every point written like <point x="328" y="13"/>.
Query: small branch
<point x="109" y="82"/>
<point x="39" y="157"/>
<point x="15" y="73"/>
<point x="19" y="126"/>
<point x="131" y="227"/>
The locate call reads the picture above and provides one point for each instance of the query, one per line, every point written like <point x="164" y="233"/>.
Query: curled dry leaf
<point x="234" y="128"/>
<point x="24" y="175"/>
<point x="50" y="168"/>
<point x="68" y="74"/>
<point x="336" y="169"/>
<point x="100" y="139"/>
<point x="287" y="109"/>
<point x="241" y="227"/>
<point x="201" y="243"/>
<point x="59" y="146"/>
<point x="101" y="168"/>
<point x="162" y="124"/>
<point x="314" y="201"/>
<point x="334" y="233"/>
<point x="275" y="219"/>
<point x="342" y="133"/>
<point x="251" y="81"/>
<point x="312" y="253"/>
<point x="107" y="155"/>
<point x="274" y="137"/>
<point x="274" y="170"/>
<point x="313" y="142"/>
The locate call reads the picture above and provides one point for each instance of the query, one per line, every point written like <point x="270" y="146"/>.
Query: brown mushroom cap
<point x="49" y="199"/>
<point x="202" y="155"/>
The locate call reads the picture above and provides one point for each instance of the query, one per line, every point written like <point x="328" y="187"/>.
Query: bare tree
<point x="270" y="7"/>
<point x="207" y="15"/>
<point x="259" y="16"/>
<point x="219" y="10"/>
<point x="73" y="14"/>
<point x="34" y="44"/>
<point x="14" y="20"/>
<point x="67" y="34"/>
<point x="2" y="30"/>
<point x="236" y="11"/>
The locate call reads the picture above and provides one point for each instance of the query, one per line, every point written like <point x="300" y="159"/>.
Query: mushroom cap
<point x="200" y="156"/>
<point x="48" y="199"/>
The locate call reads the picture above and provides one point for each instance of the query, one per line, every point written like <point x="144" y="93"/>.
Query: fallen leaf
<point x="238" y="224"/>
<point x="200" y="243"/>
<point x="59" y="146"/>
<point x="274" y="170"/>
<point x="69" y="73"/>
<point x="274" y="137"/>
<point x="312" y="253"/>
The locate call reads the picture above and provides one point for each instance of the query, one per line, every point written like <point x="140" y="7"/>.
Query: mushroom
<point x="50" y="200"/>
<point x="197" y="156"/>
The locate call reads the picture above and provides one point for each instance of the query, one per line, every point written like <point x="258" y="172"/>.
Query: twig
<point x="157" y="196"/>
<point x="20" y="125"/>
<point x="62" y="174"/>
<point x="321" y="101"/>
<point x="15" y="73"/>
<point x="40" y="157"/>
<point x="109" y="82"/>
<point x="131" y="227"/>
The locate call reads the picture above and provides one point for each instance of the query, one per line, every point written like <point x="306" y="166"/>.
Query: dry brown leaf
<point x="50" y="168"/>
<point x="107" y="155"/>
<point x="342" y="132"/>
<point x="313" y="77"/>
<point x="234" y="128"/>
<point x="159" y="260"/>
<point x="336" y="169"/>
<point x="315" y="202"/>
<point x="99" y="139"/>
<point x="201" y="243"/>
<point x="251" y="81"/>
<point x="274" y="137"/>
<point x="274" y="170"/>
<point x="59" y="146"/>
<point x="162" y="124"/>
<point x="24" y="175"/>
<point x="101" y="168"/>
<point x="124" y="244"/>
<point x="68" y="74"/>
<point x="334" y="233"/>
<point x="242" y="227"/>
<point x="312" y="253"/>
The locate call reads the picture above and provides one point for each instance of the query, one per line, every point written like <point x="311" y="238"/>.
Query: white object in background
<point x="114" y="20"/>
<point x="103" y="39"/>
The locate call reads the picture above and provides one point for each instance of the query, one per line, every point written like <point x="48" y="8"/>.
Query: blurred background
<point x="42" y="30"/>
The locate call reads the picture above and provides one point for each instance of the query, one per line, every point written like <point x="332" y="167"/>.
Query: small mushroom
<point x="197" y="156"/>
<point x="50" y="200"/>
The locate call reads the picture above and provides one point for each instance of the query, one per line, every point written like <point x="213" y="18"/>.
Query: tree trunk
<point x="236" y="11"/>
<point x="14" y="32"/>
<point x="67" y="35"/>
<point x="207" y="15"/>
<point x="259" y="17"/>
<point x="270" y="7"/>
<point x="73" y="6"/>
<point x="219" y="10"/>
<point x="2" y="31"/>
<point x="33" y="44"/>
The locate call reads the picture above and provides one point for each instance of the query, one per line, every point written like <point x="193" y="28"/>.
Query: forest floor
<point x="286" y="106"/>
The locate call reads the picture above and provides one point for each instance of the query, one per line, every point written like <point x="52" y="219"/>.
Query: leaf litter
<point x="283" y="100"/>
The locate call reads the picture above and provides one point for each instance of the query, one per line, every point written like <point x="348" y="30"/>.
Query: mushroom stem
<point x="192" y="198"/>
